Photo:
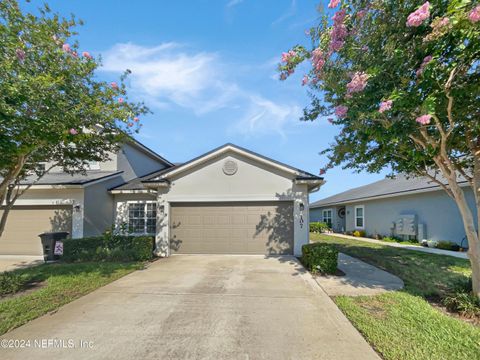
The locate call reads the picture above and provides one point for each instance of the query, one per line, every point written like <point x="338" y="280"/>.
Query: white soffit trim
<point x="132" y="192"/>
<point x="222" y="150"/>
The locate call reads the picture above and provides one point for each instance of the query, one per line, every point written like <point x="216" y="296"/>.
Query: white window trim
<point x="363" y="216"/>
<point x="331" y="215"/>
<point x="144" y="202"/>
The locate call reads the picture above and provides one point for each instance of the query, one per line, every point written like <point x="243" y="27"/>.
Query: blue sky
<point x="206" y="68"/>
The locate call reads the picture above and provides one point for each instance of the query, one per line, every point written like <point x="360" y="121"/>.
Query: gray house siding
<point x="435" y="209"/>
<point x="99" y="209"/>
<point x="136" y="163"/>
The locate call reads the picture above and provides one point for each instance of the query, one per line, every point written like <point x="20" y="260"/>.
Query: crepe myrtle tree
<point x="53" y="110"/>
<point x="401" y="80"/>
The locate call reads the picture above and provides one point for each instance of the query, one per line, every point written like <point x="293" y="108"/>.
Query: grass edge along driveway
<point x="404" y="325"/>
<point x="61" y="284"/>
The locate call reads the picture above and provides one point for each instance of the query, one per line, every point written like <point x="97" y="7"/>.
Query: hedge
<point x="320" y="257"/>
<point x="319" y="227"/>
<point x="108" y="248"/>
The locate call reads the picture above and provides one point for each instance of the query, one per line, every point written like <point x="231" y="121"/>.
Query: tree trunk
<point x="3" y="220"/>
<point x="7" y="198"/>
<point x="470" y="230"/>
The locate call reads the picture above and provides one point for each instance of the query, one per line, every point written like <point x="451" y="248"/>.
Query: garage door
<point x="232" y="228"/>
<point x="24" y="223"/>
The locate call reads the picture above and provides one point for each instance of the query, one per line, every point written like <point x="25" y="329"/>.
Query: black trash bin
<point x="48" y="243"/>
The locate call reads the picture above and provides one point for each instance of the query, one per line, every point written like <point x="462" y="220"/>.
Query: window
<point x="359" y="217"/>
<point x="93" y="165"/>
<point x="142" y="218"/>
<point x="327" y="217"/>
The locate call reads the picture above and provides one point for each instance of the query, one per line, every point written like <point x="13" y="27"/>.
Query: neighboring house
<point x="79" y="204"/>
<point x="405" y="207"/>
<point x="229" y="200"/>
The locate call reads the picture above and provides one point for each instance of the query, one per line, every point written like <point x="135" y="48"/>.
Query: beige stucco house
<point x="229" y="200"/>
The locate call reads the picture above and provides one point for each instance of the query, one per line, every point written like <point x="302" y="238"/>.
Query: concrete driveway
<point x="198" y="307"/>
<point x="13" y="262"/>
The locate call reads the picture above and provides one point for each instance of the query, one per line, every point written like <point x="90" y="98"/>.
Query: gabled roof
<point x="163" y="175"/>
<point x="303" y="175"/>
<point x="388" y="187"/>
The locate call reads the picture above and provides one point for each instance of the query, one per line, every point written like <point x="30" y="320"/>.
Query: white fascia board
<point x="55" y="187"/>
<point x="205" y="158"/>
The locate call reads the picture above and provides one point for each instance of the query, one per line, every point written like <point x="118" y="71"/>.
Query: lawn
<point x="405" y="325"/>
<point x="62" y="283"/>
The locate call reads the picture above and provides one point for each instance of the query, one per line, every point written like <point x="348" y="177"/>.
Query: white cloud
<point x="264" y="116"/>
<point x="167" y="73"/>
<point x="233" y="3"/>
<point x="171" y="74"/>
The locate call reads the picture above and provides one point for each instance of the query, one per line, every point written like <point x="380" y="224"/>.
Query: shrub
<point x="359" y="233"/>
<point x="447" y="245"/>
<point x="465" y="303"/>
<point x="462" y="300"/>
<point x="320" y="257"/>
<point x="109" y="247"/>
<point x="319" y="227"/>
<point x="10" y="282"/>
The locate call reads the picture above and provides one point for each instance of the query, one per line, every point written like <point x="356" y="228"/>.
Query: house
<point x="229" y="200"/>
<point x="401" y="206"/>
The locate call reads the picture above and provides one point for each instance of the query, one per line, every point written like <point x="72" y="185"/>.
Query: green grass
<point x="404" y="325"/>
<point x="63" y="283"/>
<point x="424" y="274"/>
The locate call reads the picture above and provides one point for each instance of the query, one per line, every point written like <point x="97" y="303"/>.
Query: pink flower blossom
<point x="417" y="17"/>
<point x="358" y="82"/>
<point x="362" y="13"/>
<point x="283" y="76"/>
<point x="339" y="16"/>
<point x="333" y="4"/>
<point x="330" y="120"/>
<point x="120" y="100"/>
<point x="317" y="59"/>
<point x="385" y="105"/>
<point x="321" y="172"/>
<point x="86" y="55"/>
<point x="136" y="119"/>
<point x="305" y="80"/>
<point x="74" y="54"/>
<point x="114" y="85"/>
<point x="72" y="131"/>
<point x="66" y="47"/>
<point x="341" y="111"/>
<point x="287" y="56"/>
<point x="339" y="31"/>
<point x="20" y="54"/>
<point x="424" y="119"/>
<point x="424" y="63"/>
<point x="130" y="124"/>
<point x="474" y="15"/>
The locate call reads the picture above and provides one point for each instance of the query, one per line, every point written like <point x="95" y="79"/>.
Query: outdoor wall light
<point x="77" y="208"/>
<point x="302" y="207"/>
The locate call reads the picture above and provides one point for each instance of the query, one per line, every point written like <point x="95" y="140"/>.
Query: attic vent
<point x="230" y="167"/>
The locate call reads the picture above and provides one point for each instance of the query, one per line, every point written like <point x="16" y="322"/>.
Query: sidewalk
<point x="360" y="279"/>
<point x="456" y="254"/>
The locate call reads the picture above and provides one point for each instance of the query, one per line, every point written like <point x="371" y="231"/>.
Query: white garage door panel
<point x="25" y="223"/>
<point x="232" y="228"/>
